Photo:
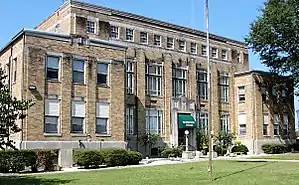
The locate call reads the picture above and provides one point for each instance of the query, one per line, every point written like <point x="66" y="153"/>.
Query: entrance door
<point x="181" y="136"/>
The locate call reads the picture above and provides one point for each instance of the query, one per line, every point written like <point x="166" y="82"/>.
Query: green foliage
<point x="274" y="36"/>
<point x="134" y="157"/>
<point x="202" y="140"/>
<point x="11" y="110"/>
<point x="88" y="158"/>
<point x="45" y="159"/>
<point x="240" y="148"/>
<point x="171" y="152"/>
<point x="115" y="157"/>
<point x="221" y="150"/>
<point x="149" y="140"/>
<point x="276" y="148"/>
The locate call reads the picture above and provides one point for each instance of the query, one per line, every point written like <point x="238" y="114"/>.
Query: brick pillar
<point x="215" y="99"/>
<point x="167" y="96"/>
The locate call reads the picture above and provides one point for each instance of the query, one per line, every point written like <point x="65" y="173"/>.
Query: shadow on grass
<point x="243" y="170"/>
<point x="30" y="180"/>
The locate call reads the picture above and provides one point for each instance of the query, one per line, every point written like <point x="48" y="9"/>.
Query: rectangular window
<point x="283" y="93"/>
<point x="52" y="68"/>
<point x="265" y="124"/>
<point x="51" y="116"/>
<point x="102" y="117"/>
<point x="78" y="71"/>
<point x="224" y="123"/>
<point x="214" y="53"/>
<point x="130" y="77"/>
<point x="114" y="32"/>
<point x="153" y="79"/>
<point x="241" y="94"/>
<point x="285" y="125"/>
<point x="239" y="57"/>
<point x="182" y="45"/>
<point x="274" y="92"/>
<point x="264" y="93"/>
<point x="130" y="120"/>
<point x="143" y="38"/>
<point x="276" y="124"/>
<point x="170" y="43"/>
<point x="193" y="48"/>
<point x="157" y="40"/>
<point x="129" y="34"/>
<point x="7" y="73"/>
<point x="242" y="124"/>
<point x="15" y="67"/>
<point x="224" y="87"/>
<point x="203" y="121"/>
<point x="203" y="50"/>
<point x="102" y="74"/>
<point x="179" y="82"/>
<point x="91" y="27"/>
<point x="202" y="84"/>
<point x="78" y="115"/>
<point x="224" y="54"/>
<point x="154" y="121"/>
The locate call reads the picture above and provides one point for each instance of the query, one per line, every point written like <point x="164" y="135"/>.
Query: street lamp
<point x="187" y="143"/>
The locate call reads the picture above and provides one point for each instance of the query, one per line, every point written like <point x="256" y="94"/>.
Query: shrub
<point x="171" y="152"/>
<point x="220" y="150"/>
<point x="134" y="157"/>
<point x="240" y="148"/>
<point x="88" y="158"/>
<point x="45" y="159"/>
<point x="115" y="156"/>
<point x="276" y="148"/>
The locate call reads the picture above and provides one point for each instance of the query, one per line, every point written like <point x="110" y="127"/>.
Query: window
<point x="264" y="93"/>
<point x="182" y="45"/>
<point x="102" y="74"/>
<point x="91" y="27"/>
<point x="114" y="32"/>
<point x="157" y="40"/>
<point x="202" y="84"/>
<point x="78" y="71"/>
<point x="193" y="48"/>
<point x="203" y="50"/>
<point x="129" y="34"/>
<point x="57" y="28"/>
<point x="224" y="123"/>
<point x="15" y="67"/>
<point x="224" y="54"/>
<point x="52" y="68"/>
<point x="214" y="53"/>
<point x="130" y="120"/>
<point x="78" y="115"/>
<point x="130" y="77"/>
<point x="224" y="87"/>
<point x="242" y="124"/>
<point x="7" y="73"/>
<point x="285" y="125"/>
<point x="283" y="93"/>
<point x="179" y="82"/>
<point x="143" y="38"/>
<point x="203" y="121"/>
<point x="170" y="43"/>
<point x="241" y="94"/>
<point x="153" y="121"/>
<point x="274" y="93"/>
<point x="102" y="117"/>
<point x="238" y="57"/>
<point x="265" y="124"/>
<point x="153" y="79"/>
<point x="276" y="124"/>
<point x="51" y="115"/>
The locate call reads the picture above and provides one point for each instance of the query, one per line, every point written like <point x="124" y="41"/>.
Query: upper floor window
<point x="157" y="40"/>
<point x="51" y="115"/>
<point x="102" y="117"/>
<point x="154" y="121"/>
<point x="15" y="67"/>
<point x="241" y="94"/>
<point x="264" y="93"/>
<point x="78" y="116"/>
<point x="179" y="82"/>
<point x="274" y="92"/>
<point x="170" y="43"/>
<point x="78" y="71"/>
<point x="283" y="93"/>
<point x="182" y="45"/>
<point x="193" y="48"/>
<point x="224" y="54"/>
<point x="202" y="84"/>
<point x="276" y="125"/>
<point x="214" y="52"/>
<point x="143" y="37"/>
<point x="203" y="50"/>
<point x="238" y="57"/>
<point x="129" y="34"/>
<point x="52" y="68"/>
<point x="285" y="124"/>
<point x="153" y="74"/>
<point x="224" y="87"/>
<point x="102" y="74"/>
<point x="91" y="26"/>
<point x="130" y="77"/>
<point x="114" y="32"/>
<point x="224" y="123"/>
<point x="7" y="73"/>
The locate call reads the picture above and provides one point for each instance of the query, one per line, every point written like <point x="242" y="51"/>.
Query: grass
<point x="294" y="156"/>
<point x="225" y="173"/>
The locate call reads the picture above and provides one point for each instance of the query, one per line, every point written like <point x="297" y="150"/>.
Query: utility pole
<point x="209" y="91"/>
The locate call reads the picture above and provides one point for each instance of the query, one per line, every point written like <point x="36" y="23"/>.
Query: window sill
<point x="78" y="135"/>
<point x="132" y="41"/>
<point x="103" y="86"/>
<point x="53" y="81"/>
<point x="240" y="102"/>
<point x="224" y="102"/>
<point x="266" y="135"/>
<point x="52" y="134"/>
<point x="276" y="135"/>
<point x="77" y="83"/>
<point x="103" y="135"/>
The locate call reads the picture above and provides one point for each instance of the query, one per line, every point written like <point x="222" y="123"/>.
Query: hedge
<point x="240" y="148"/>
<point x="276" y="148"/>
<point x="171" y="152"/>
<point x="88" y="158"/>
<point x="134" y="157"/>
<point x="221" y="150"/>
<point x="45" y="159"/>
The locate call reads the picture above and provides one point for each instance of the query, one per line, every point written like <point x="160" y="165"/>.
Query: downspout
<point x="22" y="88"/>
<point x="136" y="101"/>
<point x="125" y="99"/>
<point x="254" y="116"/>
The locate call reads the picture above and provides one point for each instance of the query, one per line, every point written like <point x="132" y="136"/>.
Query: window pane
<point x="78" y="77"/>
<point x="53" y="62"/>
<point x="77" y="125"/>
<point x="78" y="65"/>
<point x="102" y="79"/>
<point x="51" y="123"/>
<point x="102" y="68"/>
<point x="101" y="125"/>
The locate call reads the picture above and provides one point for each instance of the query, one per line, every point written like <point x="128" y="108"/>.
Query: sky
<point x="228" y="18"/>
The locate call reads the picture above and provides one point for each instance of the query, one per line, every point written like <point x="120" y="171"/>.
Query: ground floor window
<point x="130" y="120"/>
<point x="153" y="121"/>
<point x="203" y="121"/>
<point x="224" y="123"/>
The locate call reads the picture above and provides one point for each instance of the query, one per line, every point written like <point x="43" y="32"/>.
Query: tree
<point x="225" y="140"/>
<point x="11" y="110"/>
<point x="274" y="35"/>
<point x="149" y="140"/>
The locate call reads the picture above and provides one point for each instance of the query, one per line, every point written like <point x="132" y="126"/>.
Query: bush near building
<point x="240" y="148"/>
<point x="171" y="152"/>
<point x="276" y="148"/>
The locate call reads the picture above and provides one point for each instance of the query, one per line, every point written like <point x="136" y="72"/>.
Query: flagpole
<point x="210" y="169"/>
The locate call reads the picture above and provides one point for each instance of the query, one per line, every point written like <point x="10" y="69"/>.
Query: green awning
<point x="186" y="121"/>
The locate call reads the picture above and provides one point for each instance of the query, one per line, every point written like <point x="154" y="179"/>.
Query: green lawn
<point x="294" y="156"/>
<point x="225" y="172"/>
